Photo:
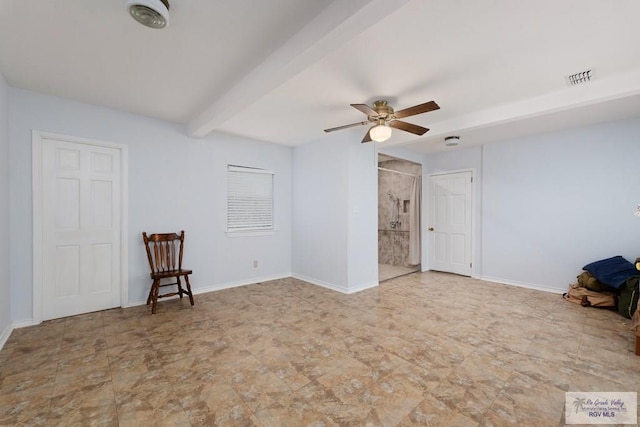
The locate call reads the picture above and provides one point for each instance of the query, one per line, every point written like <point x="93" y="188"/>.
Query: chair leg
<point x="180" y="290"/>
<point x="150" y="293"/>
<point x="156" y="290"/>
<point x="186" y="279"/>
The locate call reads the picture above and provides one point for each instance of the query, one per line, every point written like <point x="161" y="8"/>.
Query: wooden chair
<point x="161" y="251"/>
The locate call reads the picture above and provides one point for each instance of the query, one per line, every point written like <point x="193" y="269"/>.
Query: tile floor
<point x="388" y="271"/>
<point x="423" y="349"/>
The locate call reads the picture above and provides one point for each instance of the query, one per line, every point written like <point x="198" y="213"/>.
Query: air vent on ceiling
<point x="580" y="78"/>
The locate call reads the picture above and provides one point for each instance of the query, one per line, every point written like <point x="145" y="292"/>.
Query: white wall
<point x="320" y="213"/>
<point x="5" y="289"/>
<point x="335" y="214"/>
<point x="557" y="201"/>
<point x="175" y="182"/>
<point x="548" y="204"/>
<point x="362" y="215"/>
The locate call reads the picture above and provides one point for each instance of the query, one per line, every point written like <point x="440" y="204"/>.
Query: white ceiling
<point x="284" y="70"/>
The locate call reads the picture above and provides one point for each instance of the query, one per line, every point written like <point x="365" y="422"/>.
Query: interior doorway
<point x="79" y="228"/>
<point x="450" y="222"/>
<point x="399" y="213"/>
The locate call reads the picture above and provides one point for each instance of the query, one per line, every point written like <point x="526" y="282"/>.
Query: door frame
<point x="423" y="215"/>
<point x="474" y="182"/>
<point x="38" y="139"/>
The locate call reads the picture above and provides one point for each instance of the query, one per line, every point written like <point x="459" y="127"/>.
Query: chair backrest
<point x="162" y="250"/>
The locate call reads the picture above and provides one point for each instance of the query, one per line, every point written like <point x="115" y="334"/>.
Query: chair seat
<point x="170" y="273"/>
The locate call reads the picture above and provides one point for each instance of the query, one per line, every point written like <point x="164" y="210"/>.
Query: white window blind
<point x="249" y="199"/>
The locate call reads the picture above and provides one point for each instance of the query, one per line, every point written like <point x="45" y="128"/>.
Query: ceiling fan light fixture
<point x="380" y="133"/>
<point x="384" y="117"/>
<point x="150" y="13"/>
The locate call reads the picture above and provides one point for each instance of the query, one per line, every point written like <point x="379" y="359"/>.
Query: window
<point x="249" y="199"/>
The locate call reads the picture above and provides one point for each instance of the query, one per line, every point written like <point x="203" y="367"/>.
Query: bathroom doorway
<point x="399" y="205"/>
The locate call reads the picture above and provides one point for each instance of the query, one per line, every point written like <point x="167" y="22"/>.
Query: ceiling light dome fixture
<point x="381" y="132"/>
<point x="151" y="13"/>
<point x="452" y="141"/>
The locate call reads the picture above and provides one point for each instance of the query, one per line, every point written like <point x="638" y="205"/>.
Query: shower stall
<point x="399" y="204"/>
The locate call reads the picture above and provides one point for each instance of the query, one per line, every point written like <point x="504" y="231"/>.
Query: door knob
<point x="430" y="228"/>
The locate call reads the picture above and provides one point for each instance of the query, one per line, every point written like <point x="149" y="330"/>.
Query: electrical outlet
<point x="255" y="263"/>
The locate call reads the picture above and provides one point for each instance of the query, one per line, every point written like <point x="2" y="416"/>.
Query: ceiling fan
<point x="384" y="118"/>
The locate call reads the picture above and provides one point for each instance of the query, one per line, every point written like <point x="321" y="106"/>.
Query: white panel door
<point x="80" y="228"/>
<point x="449" y="231"/>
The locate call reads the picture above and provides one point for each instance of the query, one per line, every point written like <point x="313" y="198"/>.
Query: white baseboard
<point x="335" y="287"/>
<point x="23" y="323"/>
<point x="29" y="322"/>
<point x="363" y="287"/>
<point x="240" y="283"/>
<point x="522" y="284"/>
<point x="343" y="289"/>
<point x="5" y="335"/>
<point x="228" y="285"/>
<point x="321" y="283"/>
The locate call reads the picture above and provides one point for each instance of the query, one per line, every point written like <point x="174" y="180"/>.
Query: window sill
<point x="250" y="233"/>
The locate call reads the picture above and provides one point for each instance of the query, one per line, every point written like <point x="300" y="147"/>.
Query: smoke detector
<point x="151" y="13"/>
<point x="451" y="141"/>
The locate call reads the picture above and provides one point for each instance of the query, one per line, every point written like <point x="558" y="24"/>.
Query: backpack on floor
<point x="628" y="301"/>
<point x="587" y="298"/>
<point x="586" y="280"/>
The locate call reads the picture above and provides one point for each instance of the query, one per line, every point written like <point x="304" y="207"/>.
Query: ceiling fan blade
<point x="417" y="109"/>
<point x="367" y="136"/>
<point x="347" y="126"/>
<point x="408" y="127"/>
<point x="365" y="109"/>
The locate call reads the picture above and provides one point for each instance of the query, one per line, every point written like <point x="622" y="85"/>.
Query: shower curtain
<point x="414" y="221"/>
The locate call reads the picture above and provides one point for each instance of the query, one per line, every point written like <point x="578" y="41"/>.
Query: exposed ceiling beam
<point x="340" y="22"/>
